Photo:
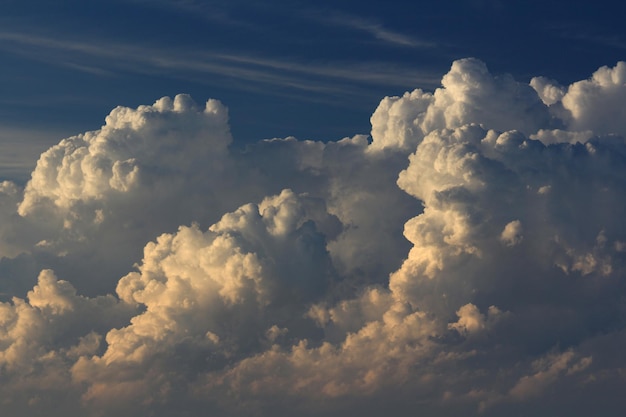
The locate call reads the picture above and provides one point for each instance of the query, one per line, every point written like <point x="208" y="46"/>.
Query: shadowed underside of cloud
<point x="467" y="259"/>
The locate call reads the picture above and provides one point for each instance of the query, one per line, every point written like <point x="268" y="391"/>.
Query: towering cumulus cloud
<point x="467" y="259"/>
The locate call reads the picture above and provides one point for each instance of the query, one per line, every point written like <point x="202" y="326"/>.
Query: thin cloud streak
<point x="20" y="148"/>
<point x="379" y="32"/>
<point x="146" y="59"/>
<point x="374" y="73"/>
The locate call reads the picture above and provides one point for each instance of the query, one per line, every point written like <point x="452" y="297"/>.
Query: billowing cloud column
<point x="151" y="142"/>
<point x="217" y="296"/>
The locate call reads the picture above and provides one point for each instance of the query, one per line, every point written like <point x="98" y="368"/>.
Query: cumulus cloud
<point x="549" y="91"/>
<point x="469" y="94"/>
<point x="92" y="166"/>
<point x="597" y="103"/>
<point x="513" y="233"/>
<point x="218" y="295"/>
<point x="468" y="259"/>
<point x="42" y="335"/>
<point x="94" y="199"/>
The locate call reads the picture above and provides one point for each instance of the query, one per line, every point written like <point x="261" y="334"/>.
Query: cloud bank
<point x="466" y="259"/>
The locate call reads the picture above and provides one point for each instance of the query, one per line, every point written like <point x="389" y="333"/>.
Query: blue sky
<point x="312" y="69"/>
<point x="237" y="208"/>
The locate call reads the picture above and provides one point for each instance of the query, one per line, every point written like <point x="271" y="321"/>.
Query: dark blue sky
<point x="313" y="69"/>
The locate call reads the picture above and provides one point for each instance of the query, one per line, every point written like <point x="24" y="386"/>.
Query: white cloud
<point x="513" y="233"/>
<point x="469" y="94"/>
<point x="89" y="167"/>
<point x="597" y="103"/>
<point x="471" y="320"/>
<point x="215" y="293"/>
<point x="548" y="90"/>
<point x="552" y="136"/>
<point x="468" y="260"/>
<point x="377" y="30"/>
<point x="41" y="337"/>
<point x="241" y="71"/>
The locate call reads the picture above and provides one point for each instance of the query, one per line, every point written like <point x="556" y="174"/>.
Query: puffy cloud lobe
<point x="91" y="166"/>
<point x="469" y="94"/>
<point x="548" y="90"/>
<point x="553" y="136"/>
<point x="471" y="320"/>
<point x="597" y="104"/>
<point x="513" y="233"/>
<point x="396" y="123"/>
<point x="53" y="315"/>
<point x="41" y="337"/>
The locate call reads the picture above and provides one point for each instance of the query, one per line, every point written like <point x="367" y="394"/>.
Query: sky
<point x="313" y="70"/>
<point x="235" y="208"/>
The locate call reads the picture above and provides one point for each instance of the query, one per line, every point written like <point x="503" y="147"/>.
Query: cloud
<point x="549" y="91"/>
<point x="310" y="81"/>
<point x="96" y="198"/>
<point x="43" y="335"/>
<point x="512" y="233"/>
<point x="468" y="258"/>
<point x="377" y="30"/>
<point x="469" y="94"/>
<point x="89" y="167"/>
<point x="595" y="104"/>
<point x="215" y="295"/>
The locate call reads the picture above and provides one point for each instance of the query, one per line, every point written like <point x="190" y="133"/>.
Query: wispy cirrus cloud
<point x="20" y="147"/>
<point x="106" y="58"/>
<point x="373" y="28"/>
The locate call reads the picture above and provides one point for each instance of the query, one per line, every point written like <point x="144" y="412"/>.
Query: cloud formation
<point x="468" y="258"/>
